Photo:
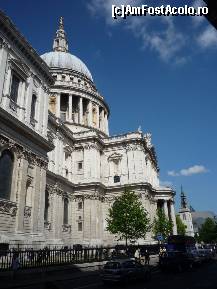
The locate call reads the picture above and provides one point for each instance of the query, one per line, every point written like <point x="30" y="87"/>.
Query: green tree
<point x="162" y="225"/>
<point x="127" y="218"/>
<point x="181" y="227"/>
<point x="208" y="231"/>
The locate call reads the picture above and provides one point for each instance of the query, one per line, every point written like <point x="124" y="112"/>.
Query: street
<point x="204" y="277"/>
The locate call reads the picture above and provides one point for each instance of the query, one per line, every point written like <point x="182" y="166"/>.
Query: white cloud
<point x="208" y="38"/>
<point x="172" y="174"/>
<point x="193" y="170"/>
<point x="198" y="20"/>
<point x="167" y="41"/>
<point x="161" y="34"/>
<point x="197" y="169"/>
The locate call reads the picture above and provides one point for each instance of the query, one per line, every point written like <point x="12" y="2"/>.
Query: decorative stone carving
<point x="27" y="211"/>
<point x="23" y="153"/>
<point x="66" y="228"/>
<point x="54" y="189"/>
<point x="47" y="226"/>
<point x="134" y="147"/>
<point x="147" y="138"/>
<point x="115" y="156"/>
<point x="109" y="199"/>
<point x="52" y="104"/>
<point x="7" y="207"/>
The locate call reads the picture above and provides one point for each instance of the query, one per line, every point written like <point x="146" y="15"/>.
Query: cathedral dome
<point x="61" y="59"/>
<point x="60" y="56"/>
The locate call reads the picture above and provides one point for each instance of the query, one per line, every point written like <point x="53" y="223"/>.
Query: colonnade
<point x="169" y="211"/>
<point x="82" y="111"/>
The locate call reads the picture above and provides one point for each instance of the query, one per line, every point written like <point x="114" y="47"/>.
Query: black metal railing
<point x="29" y="258"/>
<point x="46" y="257"/>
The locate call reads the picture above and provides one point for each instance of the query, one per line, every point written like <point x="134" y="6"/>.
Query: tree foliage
<point x="162" y="225"/>
<point x="208" y="231"/>
<point x="181" y="227"/>
<point x="127" y="218"/>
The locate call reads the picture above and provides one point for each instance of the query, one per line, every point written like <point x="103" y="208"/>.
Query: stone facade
<point x="67" y="170"/>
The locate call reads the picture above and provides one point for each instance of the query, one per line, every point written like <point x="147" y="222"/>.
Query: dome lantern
<point x="60" y="41"/>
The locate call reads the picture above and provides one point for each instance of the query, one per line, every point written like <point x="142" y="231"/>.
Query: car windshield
<point x="112" y="265"/>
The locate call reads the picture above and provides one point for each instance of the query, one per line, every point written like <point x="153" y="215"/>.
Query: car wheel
<point x="106" y="283"/>
<point x="191" y="266"/>
<point x="179" y="268"/>
<point x="147" y="276"/>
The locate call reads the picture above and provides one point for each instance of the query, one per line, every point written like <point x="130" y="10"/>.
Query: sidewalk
<point x="38" y="276"/>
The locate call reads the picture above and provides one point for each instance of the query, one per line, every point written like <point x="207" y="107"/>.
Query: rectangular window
<point x="33" y="106"/>
<point x="14" y="87"/>
<point x="80" y="226"/>
<point x="80" y="206"/>
<point x="116" y="179"/>
<point x="80" y="166"/>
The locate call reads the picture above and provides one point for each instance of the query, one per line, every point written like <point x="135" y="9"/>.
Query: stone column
<point x="166" y="209"/>
<point x="58" y="105"/>
<point x="70" y="108"/>
<point x="6" y="90"/>
<point x="90" y="113"/>
<point x="81" y="110"/>
<point x="45" y="112"/>
<point x="22" y="100"/>
<point x="97" y="116"/>
<point x="21" y="189"/>
<point x="173" y="217"/>
<point x="106" y="124"/>
<point x="102" y="125"/>
<point x="3" y="62"/>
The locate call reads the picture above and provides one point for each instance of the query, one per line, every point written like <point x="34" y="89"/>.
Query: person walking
<point x="15" y="265"/>
<point x="147" y="257"/>
<point x="137" y="254"/>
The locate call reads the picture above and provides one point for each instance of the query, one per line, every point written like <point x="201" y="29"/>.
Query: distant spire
<point x="60" y="41"/>
<point x="183" y="199"/>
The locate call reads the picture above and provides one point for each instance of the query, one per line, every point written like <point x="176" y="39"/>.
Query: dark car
<point x="124" y="271"/>
<point x="175" y="260"/>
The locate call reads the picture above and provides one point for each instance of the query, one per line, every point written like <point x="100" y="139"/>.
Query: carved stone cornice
<point x="27" y="211"/>
<point x="134" y="147"/>
<point x="90" y="146"/>
<point x="8" y="208"/>
<point x="109" y="199"/>
<point x="54" y="189"/>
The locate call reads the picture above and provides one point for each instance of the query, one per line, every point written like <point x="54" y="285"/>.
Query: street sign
<point x="159" y="237"/>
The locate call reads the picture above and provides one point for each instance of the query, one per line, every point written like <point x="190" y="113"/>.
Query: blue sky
<point x="155" y="72"/>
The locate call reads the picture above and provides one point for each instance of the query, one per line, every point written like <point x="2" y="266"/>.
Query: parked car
<point x="124" y="271"/>
<point x="205" y="254"/>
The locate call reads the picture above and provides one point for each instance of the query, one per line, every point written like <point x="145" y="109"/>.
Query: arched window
<point x="6" y="171"/>
<point x="46" y="206"/>
<point x="65" y="211"/>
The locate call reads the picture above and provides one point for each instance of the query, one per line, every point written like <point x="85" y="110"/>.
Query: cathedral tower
<point x="185" y="215"/>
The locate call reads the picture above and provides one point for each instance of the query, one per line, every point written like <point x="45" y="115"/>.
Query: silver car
<point x="124" y="271"/>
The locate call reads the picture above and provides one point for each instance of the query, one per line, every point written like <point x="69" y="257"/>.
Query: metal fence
<point x="29" y="258"/>
<point x="46" y="257"/>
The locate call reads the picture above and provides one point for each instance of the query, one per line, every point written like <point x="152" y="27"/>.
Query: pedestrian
<point x="147" y="257"/>
<point x="137" y="254"/>
<point x="15" y="264"/>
